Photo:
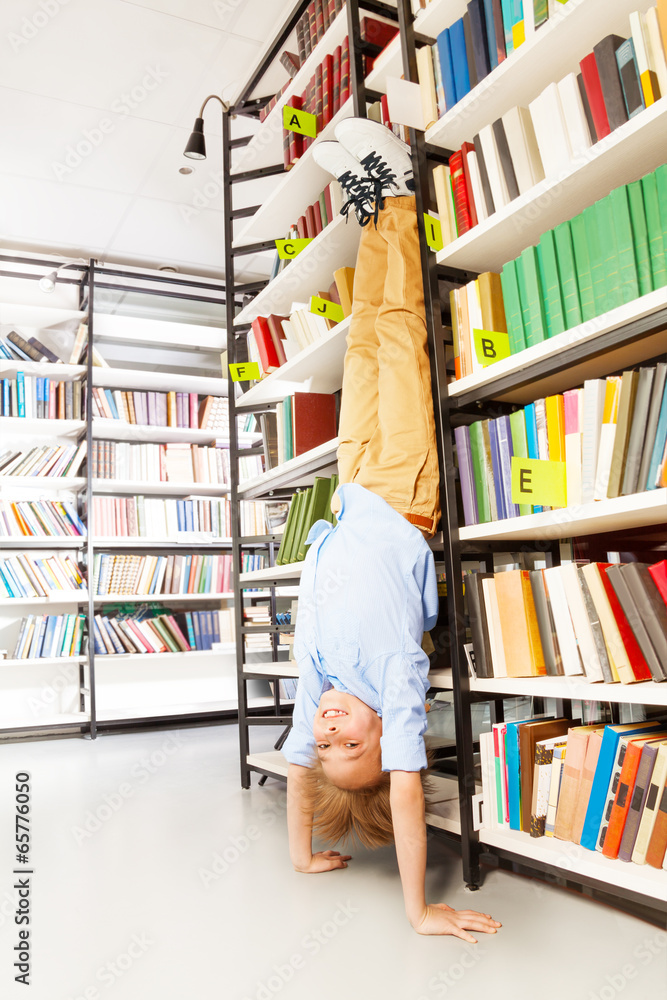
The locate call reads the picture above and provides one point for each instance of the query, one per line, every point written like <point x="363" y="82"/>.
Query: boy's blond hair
<point x="343" y="814"/>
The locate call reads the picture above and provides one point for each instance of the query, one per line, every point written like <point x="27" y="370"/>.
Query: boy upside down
<point x="368" y="588"/>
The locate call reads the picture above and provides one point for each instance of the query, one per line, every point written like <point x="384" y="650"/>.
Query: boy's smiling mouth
<point x="333" y="713"/>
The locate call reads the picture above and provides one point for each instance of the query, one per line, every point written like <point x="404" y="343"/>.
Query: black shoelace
<point x="381" y="176"/>
<point x="359" y="194"/>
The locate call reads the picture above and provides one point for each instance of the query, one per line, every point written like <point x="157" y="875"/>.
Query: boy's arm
<point x="300" y="828"/>
<point x="407" y="811"/>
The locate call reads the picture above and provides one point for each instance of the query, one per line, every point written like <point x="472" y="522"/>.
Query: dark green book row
<point x="610" y="254"/>
<point x="310" y="505"/>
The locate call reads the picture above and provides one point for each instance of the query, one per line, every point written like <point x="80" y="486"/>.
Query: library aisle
<point x="156" y="876"/>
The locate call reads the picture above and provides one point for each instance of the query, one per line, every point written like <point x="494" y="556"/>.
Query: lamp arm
<point x="211" y="97"/>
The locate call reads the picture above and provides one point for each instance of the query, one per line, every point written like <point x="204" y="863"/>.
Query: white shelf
<point x="42" y="542"/>
<point x="336" y="246"/>
<point x="142" y="330"/>
<point x="133" y="378"/>
<point x="578" y="688"/>
<point x="317" y="458"/>
<point x="12" y="483"/>
<point x="282" y="669"/>
<point x="150" y="598"/>
<point x="271" y="760"/>
<point x="582" y="334"/>
<point x="227" y="647"/>
<point x="441" y="679"/>
<point x="291" y="571"/>
<point x="43" y="721"/>
<point x="41" y="427"/>
<point x="133" y="542"/>
<point x="634" y="511"/>
<point x="442" y="804"/>
<point x="53" y="597"/>
<point x="609" y="163"/>
<point x="119" y="430"/>
<point x="60" y="372"/>
<point x="35" y="317"/>
<point x="47" y="661"/>
<point x="150" y="488"/>
<point x="320" y="364"/>
<point x="572" y="858"/>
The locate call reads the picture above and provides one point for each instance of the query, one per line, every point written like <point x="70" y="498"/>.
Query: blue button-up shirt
<point x="368" y="592"/>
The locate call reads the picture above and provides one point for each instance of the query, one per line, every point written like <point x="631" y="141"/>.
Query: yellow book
<point x="445" y="202"/>
<point x="344" y="278"/>
<point x="607" y="435"/>
<point x="556" y="428"/>
<point x="172" y="420"/>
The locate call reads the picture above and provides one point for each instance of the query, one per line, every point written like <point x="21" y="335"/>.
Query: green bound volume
<point x="656" y="239"/>
<point x="512" y="303"/>
<point x="550" y="281"/>
<point x="481" y="483"/>
<point x="288" y="533"/>
<point x="583" y="266"/>
<point x="330" y="516"/>
<point x="568" y="275"/>
<point x="534" y="297"/>
<point x="596" y="259"/>
<point x="304" y="523"/>
<point x="317" y="511"/>
<point x="301" y="514"/>
<point x="627" y="265"/>
<point x="287" y="428"/>
<point x="605" y="216"/>
<point x="523" y="299"/>
<point x="640" y="237"/>
<point x="520" y="446"/>
<point x="661" y="183"/>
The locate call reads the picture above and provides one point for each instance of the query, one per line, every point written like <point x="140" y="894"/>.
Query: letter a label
<point x="490" y="346"/>
<point x="535" y="481"/>
<point x="296" y="120"/>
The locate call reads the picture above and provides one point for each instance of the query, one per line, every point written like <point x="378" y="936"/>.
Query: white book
<point x="557" y="763"/>
<point x="656" y="51"/>
<point x="445" y="202"/>
<point x="580" y="620"/>
<point x="575" y="116"/>
<point x="542" y="777"/>
<point x="523" y="147"/>
<point x="426" y="77"/>
<point x="567" y="640"/>
<point x="594" y="393"/>
<point x="528" y="19"/>
<point x="638" y="30"/>
<point x="474" y="318"/>
<point x="494" y="628"/>
<point x="489" y="798"/>
<point x="476" y="184"/>
<point x="551" y="132"/>
<point x="494" y="167"/>
<point x="605" y="454"/>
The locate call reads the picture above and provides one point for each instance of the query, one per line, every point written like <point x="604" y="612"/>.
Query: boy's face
<point x="347" y="734"/>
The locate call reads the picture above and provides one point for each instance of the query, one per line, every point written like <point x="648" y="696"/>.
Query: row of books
<point x="163" y="409"/>
<point x="304" y="420"/>
<point x="606" y="621"/>
<point x="14" y="347"/>
<point x="263" y="517"/>
<point x="29" y="576"/>
<point x="314" y="220"/>
<point x="273" y="340"/>
<point x="611" y="436"/>
<point x="40" y="519"/>
<point x="176" y="462"/>
<point x="601" y="786"/>
<point x="378" y="111"/>
<point x="313" y="23"/>
<point x="146" y="631"/>
<point x="42" y="636"/>
<point x="33" y="397"/>
<point x="308" y="506"/>
<point x="168" y="518"/>
<point x="59" y="460"/>
<point x="172" y="574"/>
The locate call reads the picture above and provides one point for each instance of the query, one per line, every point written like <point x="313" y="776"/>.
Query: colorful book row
<point x="174" y="462"/>
<point x="163" y="409"/>
<point x="172" y="574"/>
<point x="147" y="631"/>
<point x="39" y="398"/>
<point x="48" y="636"/>
<point x="40" y="519"/>
<point x="39" y="462"/>
<point x="27" y="576"/>
<point x="158" y="518"/>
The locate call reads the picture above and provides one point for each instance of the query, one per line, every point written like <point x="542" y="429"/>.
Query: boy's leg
<point x="400" y="461"/>
<point x="359" y="403"/>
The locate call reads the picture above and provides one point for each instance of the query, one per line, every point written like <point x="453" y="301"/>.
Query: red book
<point x="295" y="139"/>
<point x="267" y="352"/>
<point x="277" y="335"/>
<point x="639" y="665"/>
<point x="313" y="420"/>
<point x="345" y="71"/>
<point x="312" y="23"/>
<point x="468" y="147"/>
<point x="327" y="202"/>
<point x="461" y="201"/>
<point x="626" y="784"/>
<point x="301" y="227"/>
<point x="194" y="410"/>
<point x="319" y="98"/>
<point x="659" y="573"/>
<point x="376" y="33"/>
<point x="310" y="222"/>
<point x="309" y="106"/>
<point x="331" y="10"/>
<point x="657" y="845"/>
<point x="319" y="18"/>
<point x="591" y="78"/>
<point x="318" y="218"/>
<point x="327" y="88"/>
<point x="384" y="111"/>
<point x="336" y="79"/>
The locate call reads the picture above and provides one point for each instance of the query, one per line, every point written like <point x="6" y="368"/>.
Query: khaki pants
<point x="387" y="430"/>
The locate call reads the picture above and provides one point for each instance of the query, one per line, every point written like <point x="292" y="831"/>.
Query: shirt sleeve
<point x="299" y="746"/>
<point x="425" y="572"/>
<point x="403" y="687"/>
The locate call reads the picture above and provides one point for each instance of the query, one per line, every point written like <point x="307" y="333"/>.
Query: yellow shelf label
<point x="433" y="232"/>
<point x="296" y="120"/>
<point x="292" y="248"/>
<point x="330" y="310"/>
<point x="538" y="482"/>
<point x="491" y="345"/>
<point x="245" y="371"/>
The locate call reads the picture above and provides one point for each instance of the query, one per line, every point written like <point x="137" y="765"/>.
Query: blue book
<point x="658" y="445"/>
<point x="506" y="451"/>
<point x="602" y="776"/>
<point x="20" y="393"/>
<point x="180" y="514"/>
<point x="49" y="635"/>
<point x="457" y="42"/>
<point x="514" y="770"/>
<point x="39" y="396"/>
<point x="6" y="398"/>
<point x="197" y="630"/>
<point x="47" y="396"/>
<point x="206" y="632"/>
<point x="35" y="638"/>
<point x="508" y="13"/>
<point x="16" y="588"/>
<point x="190" y="629"/>
<point x="186" y="574"/>
<point x="16" y="352"/>
<point x="100" y="648"/>
<point x="447" y="68"/>
<point x="70" y="510"/>
<point x="489" y="24"/>
<point x="633" y="94"/>
<point x="531" y="439"/>
<point x="497" y="471"/>
<point x="189" y="517"/>
<point x="112" y="403"/>
<point x="479" y="39"/>
<point x="156" y="574"/>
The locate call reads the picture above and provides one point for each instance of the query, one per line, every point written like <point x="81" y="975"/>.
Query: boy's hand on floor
<point x="324" y="861"/>
<point x="438" y="918"/>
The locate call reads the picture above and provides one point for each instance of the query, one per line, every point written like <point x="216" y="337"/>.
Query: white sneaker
<point x="351" y="176"/>
<point x="385" y="157"/>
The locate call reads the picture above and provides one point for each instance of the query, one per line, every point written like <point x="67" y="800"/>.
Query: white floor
<point x="156" y="876"/>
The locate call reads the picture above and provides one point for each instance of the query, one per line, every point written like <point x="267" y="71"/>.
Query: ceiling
<point x="97" y="99"/>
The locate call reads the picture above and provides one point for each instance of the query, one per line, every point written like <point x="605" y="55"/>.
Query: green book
<point x="627" y="265"/>
<point x="165" y="635"/>
<point x="661" y="183"/>
<point x="523" y="299"/>
<point x="512" y="303"/>
<point x="655" y="233"/>
<point x="596" y="260"/>
<point x="583" y="266"/>
<point x="568" y="275"/>
<point x="481" y="481"/>
<point x="305" y="520"/>
<point x="605" y="216"/>
<point x="302" y="510"/>
<point x="520" y="446"/>
<point x="288" y="533"/>
<point x="534" y="297"/>
<point x="640" y="237"/>
<point x="287" y="428"/>
<point x="317" y="510"/>
<point x="333" y="486"/>
<point x="550" y="283"/>
<point x="323" y="211"/>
